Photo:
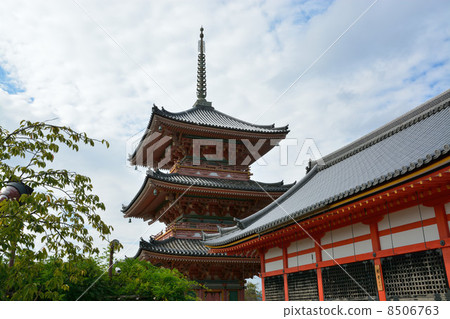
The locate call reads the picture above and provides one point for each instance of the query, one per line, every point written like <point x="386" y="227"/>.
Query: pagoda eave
<point x="215" y="131"/>
<point x="212" y="258"/>
<point x="154" y="191"/>
<point x="155" y="142"/>
<point x="196" y="190"/>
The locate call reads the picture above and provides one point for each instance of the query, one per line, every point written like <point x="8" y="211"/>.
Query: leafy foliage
<point x="87" y="278"/>
<point x="57" y="214"/>
<point x="61" y="204"/>
<point x="141" y="280"/>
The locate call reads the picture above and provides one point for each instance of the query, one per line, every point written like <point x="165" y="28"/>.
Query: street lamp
<point x="113" y="243"/>
<point x="14" y="190"/>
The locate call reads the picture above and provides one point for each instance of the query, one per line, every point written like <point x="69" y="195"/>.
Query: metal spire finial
<point x="201" y="73"/>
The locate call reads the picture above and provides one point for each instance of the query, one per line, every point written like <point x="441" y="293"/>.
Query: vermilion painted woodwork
<point x="446" y="257"/>
<point x="442" y="221"/>
<point x="375" y="237"/>
<point x="285" y="281"/>
<point x="381" y="293"/>
<point x="319" y="271"/>
<point x="263" y="270"/>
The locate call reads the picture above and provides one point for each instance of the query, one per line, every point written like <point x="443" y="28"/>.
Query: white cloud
<point x="393" y="59"/>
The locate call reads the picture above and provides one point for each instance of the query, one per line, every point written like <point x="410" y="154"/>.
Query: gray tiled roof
<point x="177" y="246"/>
<point x="184" y="247"/>
<point x="399" y="147"/>
<point x="208" y="116"/>
<point x="248" y="185"/>
<point x="218" y="183"/>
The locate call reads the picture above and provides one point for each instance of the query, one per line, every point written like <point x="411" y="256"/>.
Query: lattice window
<point x="338" y="285"/>
<point x="274" y="288"/>
<point x="303" y="285"/>
<point x="416" y="276"/>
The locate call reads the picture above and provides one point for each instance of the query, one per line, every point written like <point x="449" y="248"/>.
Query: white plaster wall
<point x="412" y="236"/>
<point x="385" y="242"/>
<point x="273" y="252"/>
<point x="326" y="239"/>
<point x="299" y="245"/>
<point x="408" y="237"/>
<point x="325" y="255"/>
<point x="302" y="260"/>
<point x="427" y="212"/>
<point x="360" y="229"/>
<point x="402" y="217"/>
<point x="363" y="247"/>
<point x="274" y="265"/>
<point x="342" y="233"/>
<point x="343" y="251"/>
<point x="431" y="232"/>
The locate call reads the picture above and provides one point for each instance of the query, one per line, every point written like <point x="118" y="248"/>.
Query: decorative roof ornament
<point x="201" y="74"/>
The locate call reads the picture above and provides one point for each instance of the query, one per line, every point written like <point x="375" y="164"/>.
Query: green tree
<point x="86" y="279"/>
<point x="251" y="292"/>
<point x="57" y="214"/>
<point x="140" y="280"/>
<point x="54" y="279"/>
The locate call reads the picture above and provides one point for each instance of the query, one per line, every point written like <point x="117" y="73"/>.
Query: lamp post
<point x="14" y="190"/>
<point x="113" y="243"/>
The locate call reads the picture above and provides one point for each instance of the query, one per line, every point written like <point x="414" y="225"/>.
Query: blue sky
<point x="56" y="62"/>
<point x="8" y="84"/>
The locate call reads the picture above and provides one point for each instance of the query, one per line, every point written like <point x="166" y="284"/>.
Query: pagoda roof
<point x="206" y="182"/>
<point x="208" y="116"/>
<point x="246" y="185"/>
<point x="203" y="121"/>
<point x="178" y="247"/>
<point x="404" y="146"/>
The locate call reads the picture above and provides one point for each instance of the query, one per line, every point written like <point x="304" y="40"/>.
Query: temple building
<point x="369" y="222"/>
<point x="198" y="182"/>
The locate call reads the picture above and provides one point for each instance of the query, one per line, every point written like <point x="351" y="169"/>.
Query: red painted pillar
<point x="444" y="234"/>
<point x="263" y="271"/>
<point x="285" y="266"/>
<point x="380" y="280"/>
<point x="319" y="270"/>
<point x="446" y="256"/>
<point x="376" y="247"/>
<point x="441" y="221"/>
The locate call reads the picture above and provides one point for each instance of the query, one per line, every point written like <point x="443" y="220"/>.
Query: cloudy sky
<point x="98" y="66"/>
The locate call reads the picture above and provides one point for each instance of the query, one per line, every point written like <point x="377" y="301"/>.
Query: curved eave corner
<point x="127" y="209"/>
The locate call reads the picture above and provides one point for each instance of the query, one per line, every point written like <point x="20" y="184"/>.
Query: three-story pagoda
<point x="198" y="181"/>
